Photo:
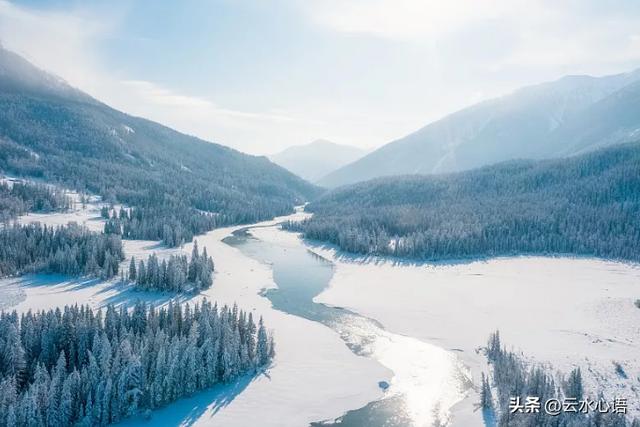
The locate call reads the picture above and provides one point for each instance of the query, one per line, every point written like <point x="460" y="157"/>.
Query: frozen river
<point x="427" y="380"/>
<point x="347" y="327"/>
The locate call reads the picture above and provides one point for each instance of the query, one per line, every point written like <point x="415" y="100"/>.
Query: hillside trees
<point x="18" y="198"/>
<point x="76" y="366"/>
<point x="586" y="205"/>
<point x="60" y="135"/>
<point x="70" y="249"/>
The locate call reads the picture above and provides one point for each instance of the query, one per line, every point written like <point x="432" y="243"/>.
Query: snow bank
<point x="427" y="380"/>
<point x="88" y="215"/>
<point x="565" y="312"/>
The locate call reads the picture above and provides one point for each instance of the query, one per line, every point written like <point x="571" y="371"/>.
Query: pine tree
<point x="174" y="273"/>
<point x="104" y="212"/>
<point x="106" y="367"/>
<point x="132" y="269"/>
<point x="486" y="400"/>
<point x="573" y="386"/>
<point x="263" y="344"/>
<point x="142" y="275"/>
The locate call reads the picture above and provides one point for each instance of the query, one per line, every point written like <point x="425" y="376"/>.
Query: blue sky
<point x="262" y="75"/>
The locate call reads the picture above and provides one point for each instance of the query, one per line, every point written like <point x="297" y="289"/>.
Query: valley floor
<point x="558" y="311"/>
<point x="561" y="312"/>
<point x="314" y="375"/>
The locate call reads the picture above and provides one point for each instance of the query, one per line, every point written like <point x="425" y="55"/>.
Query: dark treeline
<point x="70" y="249"/>
<point x="174" y="226"/>
<point x="78" y="367"/>
<point x="175" y="273"/>
<point x="18" y="198"/>
<point x="511" y="377"/>
<point x="585" y="205"/>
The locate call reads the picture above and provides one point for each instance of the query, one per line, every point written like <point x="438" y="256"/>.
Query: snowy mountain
<point x="559" y="118"/>
<point x="315" y="160"/>
<point x="19" y="76"/>
<point x="53" y="131"/>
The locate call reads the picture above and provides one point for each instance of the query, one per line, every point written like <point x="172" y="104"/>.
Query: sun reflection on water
<point x="428" y="380"/>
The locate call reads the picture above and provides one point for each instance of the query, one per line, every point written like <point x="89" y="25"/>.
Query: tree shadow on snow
<point x="62" y="282"/>
<point x="489" y="417"/>
<point x="187" y="411"/>
<point x="128" y="296"/>
<point x="353" y="258"/>
<point x="117" y="293"/>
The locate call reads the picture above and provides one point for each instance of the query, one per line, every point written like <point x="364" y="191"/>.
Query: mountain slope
<point x="315" y="160"/>
<point x="567" y="116"/>
<point x="51" y="130"/>
<point x="585" y="205"/>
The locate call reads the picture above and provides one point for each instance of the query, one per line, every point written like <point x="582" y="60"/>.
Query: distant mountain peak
<point x="316" y="159"/>
<point x="324" y="142"/>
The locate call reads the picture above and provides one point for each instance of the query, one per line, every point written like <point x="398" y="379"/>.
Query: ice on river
<point x="562" y="312"/>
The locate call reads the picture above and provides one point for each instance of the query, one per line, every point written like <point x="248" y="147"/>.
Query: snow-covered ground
<point x="427" y="379"/>
<point x="89" y="217"/>
<point x="11" y="294"/>
<point x="559" y="311"/>
<point x="314" y="375"/>
<point x="87" y="214"/>
<point x="563" y="312"/>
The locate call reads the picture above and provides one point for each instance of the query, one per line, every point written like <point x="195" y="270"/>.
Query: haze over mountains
<point x="568" y="116"/>
<point x="51" y="130"/>
<point x="315" y="160"/>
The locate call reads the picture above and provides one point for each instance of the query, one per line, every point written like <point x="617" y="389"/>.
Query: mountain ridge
<point x="584" y="205"/>
<point x="531" y="122"/>
<point x="53" y="131"/>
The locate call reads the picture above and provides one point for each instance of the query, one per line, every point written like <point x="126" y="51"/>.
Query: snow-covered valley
<point x="314" y="376"/>
<point x="558" y="311"/>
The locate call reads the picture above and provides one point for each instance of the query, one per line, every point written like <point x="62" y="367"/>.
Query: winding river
<point x="427" y="380"/>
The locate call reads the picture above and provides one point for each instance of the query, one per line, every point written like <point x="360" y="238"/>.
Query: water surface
<point x="427" y="380"/>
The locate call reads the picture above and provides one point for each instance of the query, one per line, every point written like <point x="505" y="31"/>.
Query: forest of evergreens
<point x="63" y="136"/>
<point x="70" y="249"/>
<point x="18" y="198"/>
<point x="586" y="205"/>
<point x="77" y="366"/>
<point x="174" y="274"/>
<point x="173" y="225"/>
<point x="512" y="377"/>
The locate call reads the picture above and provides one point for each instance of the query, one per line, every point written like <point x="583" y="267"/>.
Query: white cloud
<point x="161" y="96"/>
<point x="533" y="32"/>
<point x="424" y="20"/>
